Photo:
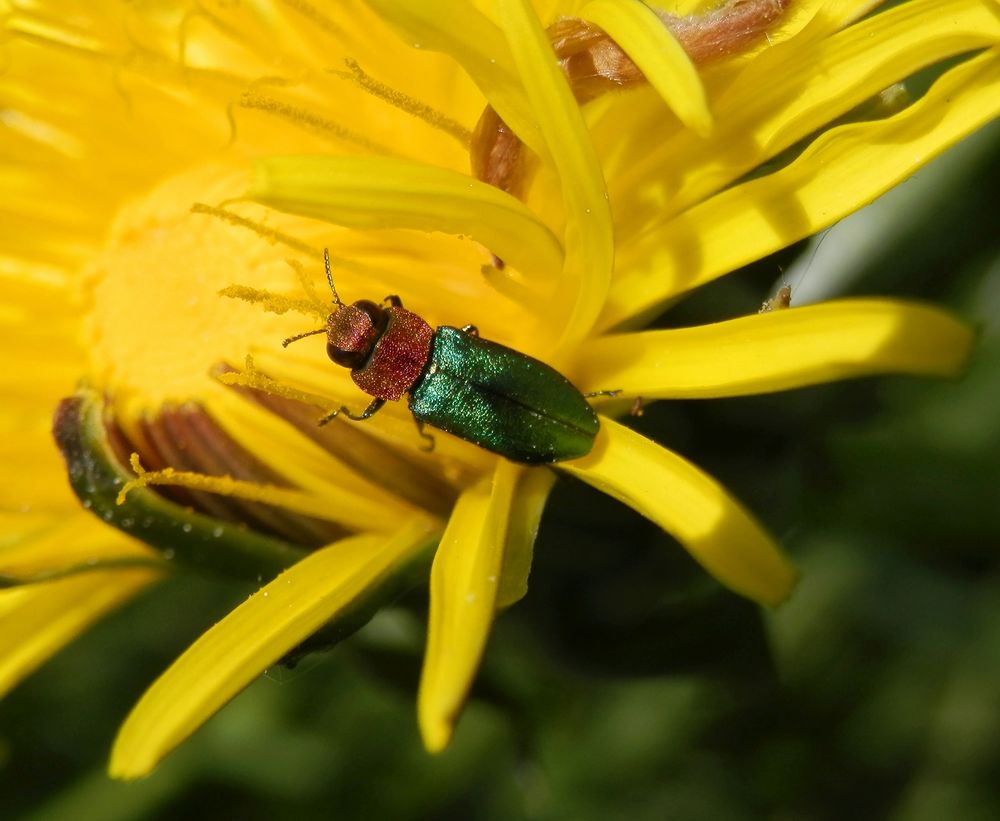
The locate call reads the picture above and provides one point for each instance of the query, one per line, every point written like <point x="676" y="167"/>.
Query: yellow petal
<point x="648" y="158"/>
<point x="780" y="350"/>
<point x="689" y="505"/>
<point x="530" y="496"/>
<point x="589" y="242"/>
<point x="43" y="487"/>
<point x="36" y="621"/>
<point x="475" y="42"/>
<point x="823" y="17"/>
<point x="839" y="173"/>
<point x="642" y="35"/>
<point x="46" y="544"/>
<point x="257" y="633"/>
<point x="792" y="90"/>
<point x="464" y="584"/>
<point x="384" y="192"/>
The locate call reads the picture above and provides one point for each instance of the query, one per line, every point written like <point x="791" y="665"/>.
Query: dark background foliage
<point x="628" y="685"/>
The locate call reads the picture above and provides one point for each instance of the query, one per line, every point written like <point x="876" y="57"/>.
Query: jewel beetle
<point x="486" y="393"/>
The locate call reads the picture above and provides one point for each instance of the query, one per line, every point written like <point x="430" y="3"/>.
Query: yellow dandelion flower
<point x="172" y="173"/>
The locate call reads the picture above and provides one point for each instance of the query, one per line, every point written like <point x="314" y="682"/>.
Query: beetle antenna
<point x="286" y="342"/>
<point x="329" y="276"/>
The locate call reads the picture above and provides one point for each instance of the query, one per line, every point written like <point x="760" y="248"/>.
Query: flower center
<point x="158" y="334"/>
<point x="156" y="322"/>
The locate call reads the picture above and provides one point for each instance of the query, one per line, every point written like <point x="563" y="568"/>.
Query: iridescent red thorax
<point x="385" y="348"/>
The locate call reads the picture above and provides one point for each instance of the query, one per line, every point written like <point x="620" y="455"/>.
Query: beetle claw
<point x="428" y="445"/>
<point x="326" y="419"/>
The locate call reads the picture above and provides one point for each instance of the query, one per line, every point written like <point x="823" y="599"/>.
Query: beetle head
<point x="352" y="331"/>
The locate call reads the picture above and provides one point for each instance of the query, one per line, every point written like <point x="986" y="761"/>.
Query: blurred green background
<point x="628" y="685"/>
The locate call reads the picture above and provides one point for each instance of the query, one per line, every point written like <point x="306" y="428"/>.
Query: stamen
<point x="254" y="379"/>
<point x="413" y="479"/>
<point x="272" y="235"/>
<point x="308" y="120"/>
<point x="187" y="439"/>
<point x="314" y="15"/>
<point x="275" y="303"/>
<point x="293" y="500"/>
<point x="275" y="236"/>
<point x="300" y="272"/>
<point x="404" y="102"/>
<point x="90" y="441"/>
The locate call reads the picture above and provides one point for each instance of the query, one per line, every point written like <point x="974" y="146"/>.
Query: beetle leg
<point x="428" y="438"/>
<point x="638" y="407"/>
<point x="612" y="394"/>
<point x="471" y="330"/>
<point x="370" y="411"/>
<point x="394" y="301"/>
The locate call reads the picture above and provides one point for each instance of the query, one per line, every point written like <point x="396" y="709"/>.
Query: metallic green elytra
<point x="481" y="391"/>
<point x="502" y="400"/>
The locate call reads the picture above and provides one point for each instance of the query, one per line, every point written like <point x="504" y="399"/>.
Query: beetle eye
<point x="352" y="332"/>
<point x="346" y="359"/>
